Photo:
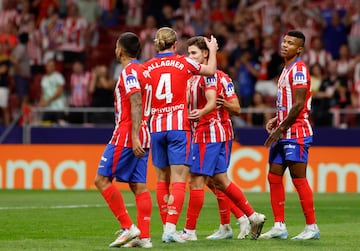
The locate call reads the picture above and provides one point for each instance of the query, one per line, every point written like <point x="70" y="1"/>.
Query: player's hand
<point x="220" y="101"/>
<point x="195" y="115"/>
<point x="212" y="44"/>
<point x="273" y="138"/>
<point x="137" y="148"/>
<point x="271" y="125"/>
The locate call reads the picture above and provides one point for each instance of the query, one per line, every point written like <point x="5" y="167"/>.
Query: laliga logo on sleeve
<point x="299" y="78"/>
<point x="210" y="81"/>
<point x="230" y="88"/>
<point x="131" y="82"/>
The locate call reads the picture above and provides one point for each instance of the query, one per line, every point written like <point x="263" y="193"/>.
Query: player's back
<point x="169" y="74"/>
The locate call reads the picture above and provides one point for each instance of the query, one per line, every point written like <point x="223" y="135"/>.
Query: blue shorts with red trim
<point x="209" y="158"/>
<point x="295" y="150"/>
<point x="120" y="163"/>
<point x="171" y="148"/>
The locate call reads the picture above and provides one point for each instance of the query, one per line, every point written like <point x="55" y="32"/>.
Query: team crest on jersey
<point x="131" y="82"/>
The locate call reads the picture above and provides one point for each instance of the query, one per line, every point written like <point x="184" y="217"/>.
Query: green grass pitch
<point x="80" y="220"/>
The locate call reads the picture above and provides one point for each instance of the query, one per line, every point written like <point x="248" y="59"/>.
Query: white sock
<point x="280" y="225"/>
<point x="170" y="228"/>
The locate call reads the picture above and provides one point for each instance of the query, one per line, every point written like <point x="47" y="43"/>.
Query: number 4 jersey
<point x="169" y="74"/>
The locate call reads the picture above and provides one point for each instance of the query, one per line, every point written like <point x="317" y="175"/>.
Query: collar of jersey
<point x="289" y="66"/>
<point x="135" y="61"/>
<point x="164" y="54"/>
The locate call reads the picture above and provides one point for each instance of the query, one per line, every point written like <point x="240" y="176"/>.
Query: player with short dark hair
<point x="290" y="136"/>
<point x="126" y="155"/>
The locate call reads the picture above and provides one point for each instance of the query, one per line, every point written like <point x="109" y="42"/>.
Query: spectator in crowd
<point x="259" y="114"/>
<point x="355" y="94"/>
<point x="316" y="77"/>
<point x="323" y="99"/>
<point x="353" y="15"/>
<point x="42" y="6"/>
<point x="345" y="66"/>
<point x="270" y="68"/>
<point x="80" y="80"/>
<point x="74" y="44"/>
<point x="34" y="47"/>
<point x="52" y="32"/>
<point x="134" y="12"/>
<point x="102" y="92"/>
<point x="8" y="14"/>
<point x="334" y="35"/>
<point x="247" y="72"/>
<point x="53" y="97"/>
<point x="147" y="36"/>
<point x="20" y="61"/>
<point x="91" y="12"/>
<point x="4" y="86"/>
<point x="317" y="54"/>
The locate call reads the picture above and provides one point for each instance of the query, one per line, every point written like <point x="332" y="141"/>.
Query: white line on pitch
<point x="58" y="207"/>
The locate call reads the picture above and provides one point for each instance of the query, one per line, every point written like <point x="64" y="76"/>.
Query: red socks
<point x="175" y="202"/>
<point x="224" y="206"/>
<point x="115" y="201"/>
<point x="196" y="202"/>
<point x="235" y="194"/>
<point x="306" y="199"/>
<point x="162" y="196"/>
<point x="277" y="197"/>
<point x="144" y="208"/>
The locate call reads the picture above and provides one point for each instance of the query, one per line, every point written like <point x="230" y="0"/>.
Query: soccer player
<point x="210" y="156"/>
<point x="125" y="156"/>
<point x="169" y="124"/>
<point x="227" y="103"/>
<point x="290" y="136"/>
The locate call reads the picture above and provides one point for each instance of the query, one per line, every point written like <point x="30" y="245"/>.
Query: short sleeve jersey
<point x="226" y="90"/>
<point x="169" y="74"/>
<point x="292" y="77"/>
<point x="208" y="129"/>
<point x="131" y="80"/>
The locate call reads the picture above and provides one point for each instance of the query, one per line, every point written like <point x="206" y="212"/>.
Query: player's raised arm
<point x="209" y="69"/>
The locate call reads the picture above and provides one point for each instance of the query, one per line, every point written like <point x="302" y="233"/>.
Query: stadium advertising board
<point x="331" y="169"/>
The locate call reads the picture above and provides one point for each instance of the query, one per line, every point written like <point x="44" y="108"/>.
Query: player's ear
<point x="205" y="53"/>
<point x="300" y="50"/>
<point x="174" y="46"/>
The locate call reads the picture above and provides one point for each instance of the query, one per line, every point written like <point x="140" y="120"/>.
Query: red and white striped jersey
<point x="321" y="57"/>
<point x="6" y="17"/>
<point x="79" y="84"/>
<point x="169" y="75"/>
<point x="131" y="80"/>
<point x="292" y="77"/>
<point x="227" y="90"/>
<point x="208" y="129"/>
<point x="74" y="34"/>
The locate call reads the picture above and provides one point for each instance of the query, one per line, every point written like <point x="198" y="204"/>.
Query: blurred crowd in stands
<point x="60" y="53"/>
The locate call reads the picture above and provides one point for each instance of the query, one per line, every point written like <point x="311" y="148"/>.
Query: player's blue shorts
<point x="228" y="147"/>
<point x="121" y="163"/>
<point x="209" y="158"/>
<point x="295" y="150"/>
<point x="171" y="148"/>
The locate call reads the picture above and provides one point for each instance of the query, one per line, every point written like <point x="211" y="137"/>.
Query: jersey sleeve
<point x="193" y="66"/>
<point x="210" y="83"/>
<point x="131" y="82"/>
<point x="300" y="76"/>
<point x="229" y="89"/>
